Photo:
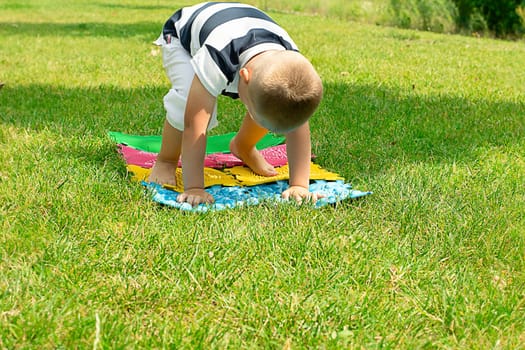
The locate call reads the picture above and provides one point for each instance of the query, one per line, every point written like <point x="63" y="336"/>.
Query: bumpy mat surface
<point x="247" y="177"/>
<point x="215" y="143"/>
<point x="231" y="197"/>
<point x="275" y="155"/>
<point x="231" y="184"/>
<point x="237" y="176"/>
<point x="212" y="177"/>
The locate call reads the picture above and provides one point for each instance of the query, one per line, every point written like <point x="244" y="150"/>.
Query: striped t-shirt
<point x="221" y="38"/>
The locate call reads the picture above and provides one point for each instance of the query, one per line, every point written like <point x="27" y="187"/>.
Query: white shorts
<point x="176" y="62"/>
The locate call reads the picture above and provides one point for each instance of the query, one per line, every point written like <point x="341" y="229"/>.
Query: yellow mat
<point x="247" y="177"/>
<point x="212" y="177"/>
<point x="236" y="176"/>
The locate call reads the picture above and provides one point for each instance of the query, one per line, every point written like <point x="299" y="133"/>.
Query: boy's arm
<point x="298" y="146"/>
<point x="199" y="108"/>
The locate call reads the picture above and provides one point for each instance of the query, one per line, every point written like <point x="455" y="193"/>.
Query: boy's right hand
<point x="195" y="196"/>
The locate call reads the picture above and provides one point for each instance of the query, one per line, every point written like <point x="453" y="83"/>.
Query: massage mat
<point x="275" y="155"/>
<point x="232" y="197"/>
<point x="215" y="143"/>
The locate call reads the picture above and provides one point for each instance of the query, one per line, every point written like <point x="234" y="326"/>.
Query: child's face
<point x="247" y="100"/>
<point x="258" y="117"/>
<point x="255" y="115"/>
<point x="245" y="95"/>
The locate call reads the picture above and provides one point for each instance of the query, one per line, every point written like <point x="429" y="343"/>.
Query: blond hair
<point x="285" y="89"/>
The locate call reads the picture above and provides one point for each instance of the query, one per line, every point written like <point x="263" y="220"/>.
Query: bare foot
<point x="163" y="173"/>
<point x="253" y="159"/>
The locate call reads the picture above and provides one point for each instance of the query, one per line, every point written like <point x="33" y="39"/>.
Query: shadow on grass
<point x="86" y="29"/>
<point x="82" y="111"/>
<point x="358" y="129"/>
<point x="370" y="127"/>
<point x="150" y="7"/>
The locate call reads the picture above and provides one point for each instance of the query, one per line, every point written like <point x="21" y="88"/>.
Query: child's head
<point x="283" y="90"/>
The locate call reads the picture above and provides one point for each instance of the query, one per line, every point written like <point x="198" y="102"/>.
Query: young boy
<point x="236" y="50"/>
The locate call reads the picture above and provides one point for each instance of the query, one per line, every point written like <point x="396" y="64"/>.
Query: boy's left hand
<point x="300" y="194"/>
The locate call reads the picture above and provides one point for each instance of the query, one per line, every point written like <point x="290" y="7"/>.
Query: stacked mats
<point x="225" y="177"/>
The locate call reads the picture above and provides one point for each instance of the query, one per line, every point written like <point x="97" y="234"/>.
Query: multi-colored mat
<point x="225" y="177"/>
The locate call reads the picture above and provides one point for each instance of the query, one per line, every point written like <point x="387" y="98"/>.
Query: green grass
<point x="433" y="124"/>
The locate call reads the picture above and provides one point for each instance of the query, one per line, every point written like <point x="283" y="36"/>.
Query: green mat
<point x="215" y="144"/>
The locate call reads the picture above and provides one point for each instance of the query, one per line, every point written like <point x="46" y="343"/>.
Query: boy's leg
<point x="163" y="172"/>
<point x="243" y="147"/>
<point x="176" y="62"/>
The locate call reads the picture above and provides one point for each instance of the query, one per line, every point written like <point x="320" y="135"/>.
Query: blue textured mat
<point x="231" y="197"/>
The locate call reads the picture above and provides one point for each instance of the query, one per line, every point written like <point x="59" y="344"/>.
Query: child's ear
<point x="245" y="74"/>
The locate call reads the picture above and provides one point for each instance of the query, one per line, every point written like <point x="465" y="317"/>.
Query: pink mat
<point x="275" y="155"/>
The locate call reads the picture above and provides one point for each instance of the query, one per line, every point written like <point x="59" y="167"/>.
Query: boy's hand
<point x="195" y="196"/>
<point x="300" y="194"/>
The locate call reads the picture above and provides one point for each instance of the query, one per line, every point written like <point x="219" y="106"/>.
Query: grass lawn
<point x="435" y="258"/>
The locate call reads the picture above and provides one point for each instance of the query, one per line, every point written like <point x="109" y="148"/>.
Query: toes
<point x="270" y="172"/>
